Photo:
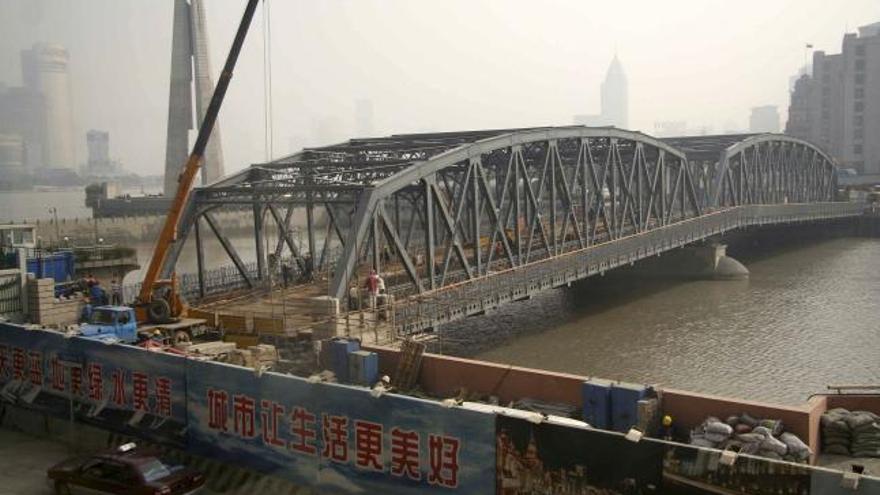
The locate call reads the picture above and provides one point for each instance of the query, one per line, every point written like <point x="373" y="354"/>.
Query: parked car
<point x="125" y="470"/>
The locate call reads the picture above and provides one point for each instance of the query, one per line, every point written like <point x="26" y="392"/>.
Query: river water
<point x="807" y="317"/>
<point x="17" y="206"/>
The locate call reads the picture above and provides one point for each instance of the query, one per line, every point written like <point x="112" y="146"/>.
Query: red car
<point x="124" y="471"/>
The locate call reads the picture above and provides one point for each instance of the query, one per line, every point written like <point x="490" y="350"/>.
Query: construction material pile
<point x="748" y="435"/>
<point x="855" y="433"/>
<point x="255" y="356"/>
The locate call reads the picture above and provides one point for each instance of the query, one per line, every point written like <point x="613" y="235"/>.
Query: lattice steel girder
<point x="450" y="207"/>
<point x="518" y="198"/>
<point x="773" y="168"/>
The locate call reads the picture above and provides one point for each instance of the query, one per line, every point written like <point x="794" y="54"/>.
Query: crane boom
<point x="193" y="163"/>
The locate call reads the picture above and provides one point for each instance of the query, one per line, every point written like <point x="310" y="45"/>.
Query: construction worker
<point x="115" y="292"/>
<point x="286" y="273"/>
<point x="667" y="430"/>
<point x="86" y="315"/>
<point x="372" y="286"/>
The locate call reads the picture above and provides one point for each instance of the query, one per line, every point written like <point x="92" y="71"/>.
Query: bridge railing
<point x="457" y="301"/>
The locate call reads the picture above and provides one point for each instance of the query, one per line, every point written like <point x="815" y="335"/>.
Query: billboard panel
<point x="551" y="458"/>
<point x="121" y="388"/>
<point x="336" y="438"/>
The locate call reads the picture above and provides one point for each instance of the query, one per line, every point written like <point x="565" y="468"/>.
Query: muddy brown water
<point x="807" y="317"/>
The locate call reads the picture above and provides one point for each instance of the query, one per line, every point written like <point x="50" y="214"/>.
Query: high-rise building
<point x="614" y="100"/>
<point x="764" y="119"/>
<point x="21" y="114"/>
<point x="190" y="76"/>
<point x="99" y="163"/>
<point x="615" y="96"/>
<point x="838" y="106"/>
<point x="44" y="72"/>
<point x="11" y="154"/>
<point x="98" y="144"/>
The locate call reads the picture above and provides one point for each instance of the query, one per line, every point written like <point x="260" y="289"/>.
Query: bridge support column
<point x="708" y="262"/>
<point x="713" y="263"/>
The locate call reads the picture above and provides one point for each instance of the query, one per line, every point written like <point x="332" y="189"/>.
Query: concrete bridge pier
<point x="711" y="262"/>
<point x="700" y="262"/>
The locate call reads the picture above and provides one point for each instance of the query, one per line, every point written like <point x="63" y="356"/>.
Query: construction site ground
<point x="301" y="309"/>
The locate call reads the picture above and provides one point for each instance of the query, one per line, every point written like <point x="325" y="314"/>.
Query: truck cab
<point x="111" y="324"/>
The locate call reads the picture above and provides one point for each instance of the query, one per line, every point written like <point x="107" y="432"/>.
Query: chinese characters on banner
<point x="355" y="441"/>
<point x="125" y="389"/>
<point x="339" y="439"/>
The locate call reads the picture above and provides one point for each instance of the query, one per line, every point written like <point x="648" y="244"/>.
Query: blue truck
<point x="112" y="324"/>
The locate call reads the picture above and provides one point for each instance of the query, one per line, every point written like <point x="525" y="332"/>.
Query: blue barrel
<point x="625" y="399"/>
<point x="339" y="351"/>
<point x="597" y="402"/>
<point x="58" y="266"/>
<point x="363" y="367"/>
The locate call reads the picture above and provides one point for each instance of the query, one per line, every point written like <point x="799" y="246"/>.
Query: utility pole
<point x="54" y="212"/>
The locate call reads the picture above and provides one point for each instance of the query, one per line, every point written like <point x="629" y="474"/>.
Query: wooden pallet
<point x="407" y="373"/>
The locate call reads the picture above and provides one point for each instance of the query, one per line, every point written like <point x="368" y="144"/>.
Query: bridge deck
<point x="413" y="313"/>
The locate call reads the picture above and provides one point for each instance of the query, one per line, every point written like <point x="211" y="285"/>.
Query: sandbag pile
<point x="748" y="435"/>
<point x="854" y="433"/>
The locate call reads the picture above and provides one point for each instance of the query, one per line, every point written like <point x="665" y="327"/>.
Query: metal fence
<point x="451" y="303"/>
<point x="10" y="295"/>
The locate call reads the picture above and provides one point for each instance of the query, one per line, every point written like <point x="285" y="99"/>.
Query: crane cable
<point x="267" y="81"/>
<point x="267" y="109"/>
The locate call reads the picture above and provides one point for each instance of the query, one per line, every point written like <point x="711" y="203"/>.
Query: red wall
<point x="444" y="376"/>
<point x="855" y="402"/>
<point x="690" y="409"/>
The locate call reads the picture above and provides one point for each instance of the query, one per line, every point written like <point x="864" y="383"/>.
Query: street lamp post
<point x="54" y="212"/>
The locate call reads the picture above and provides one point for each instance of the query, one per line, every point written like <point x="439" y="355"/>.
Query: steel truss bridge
<point x="462" y="222"/>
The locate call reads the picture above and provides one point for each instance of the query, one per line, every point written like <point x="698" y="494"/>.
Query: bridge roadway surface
<point x="461" y="223"/>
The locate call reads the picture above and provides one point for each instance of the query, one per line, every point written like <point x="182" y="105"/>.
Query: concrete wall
<point x="82" y="231"/>
<point x="867" y="402"/>
<point x="689" y="409"/>
<point x="444" y="376"/>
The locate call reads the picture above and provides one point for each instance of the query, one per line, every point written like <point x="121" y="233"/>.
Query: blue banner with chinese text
<point x="336" y="438"/>
<point x="121" y="388"/>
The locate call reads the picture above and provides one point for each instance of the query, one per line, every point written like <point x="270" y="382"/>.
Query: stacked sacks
<point x="854" y="433"/>
<point x="836" y="433"/>
<point x="865" y="433"/>
<point x="711" y="433"/>
<point x="748" y="435"/>
<point x="797" y="450"/>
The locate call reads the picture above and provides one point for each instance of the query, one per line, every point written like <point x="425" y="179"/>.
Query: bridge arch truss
<point x="432" y="212"/>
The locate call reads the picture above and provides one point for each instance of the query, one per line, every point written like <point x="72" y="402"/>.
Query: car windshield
<point x="153" y="470"/>
<point x="102" y="317"/>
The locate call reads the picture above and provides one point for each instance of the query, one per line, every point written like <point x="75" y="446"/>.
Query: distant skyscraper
<point x="838" y="106"/>
<point x="99" y="163"/>
<point x="21" y="114"/>
<point x="363" y="117"/>
<point x="764" y="119"/>
<point x="614" y="100"/>
<point x="11" y="154"/>
<point x="44" y="71"/>
<point x="190" y="64"/>
<point x="615" y="96"/>
<point x="98" y="143"/>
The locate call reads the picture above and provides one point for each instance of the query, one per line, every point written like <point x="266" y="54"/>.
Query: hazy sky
<point x="429" y="65"/>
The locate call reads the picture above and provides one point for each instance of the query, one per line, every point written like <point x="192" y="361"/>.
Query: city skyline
<point x="318" y="76"/>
